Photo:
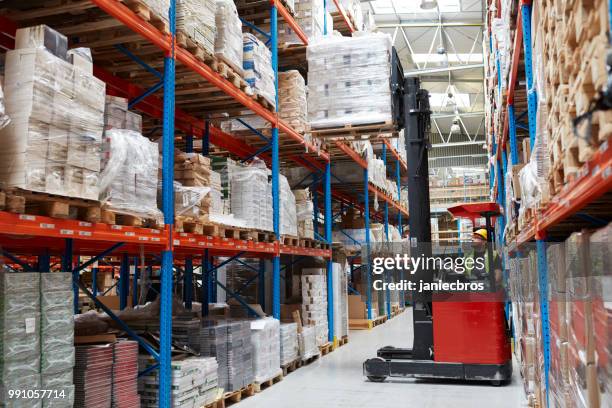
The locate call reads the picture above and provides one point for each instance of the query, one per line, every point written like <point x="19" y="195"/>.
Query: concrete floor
<point x="336" y="380"/>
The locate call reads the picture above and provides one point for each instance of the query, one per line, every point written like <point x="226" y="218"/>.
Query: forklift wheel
<point x="496" y="383"/>
<point x="376" y="379"/>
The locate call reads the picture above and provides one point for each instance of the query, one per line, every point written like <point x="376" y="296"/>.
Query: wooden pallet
<point x="219" y="403"/>
<point x="260" y="386"/>
<point x="356" y="132"/>
<point x="20" y="201"/>
<point x="290" y="240"/>
<point x="343" y="340"/>
<point x="142" y="10"/>
<point x="237" y="396"/>
<point x="304" y="362"/>
<point x="113" y="217"/>
<point x="365" y="324"/>
<point x="291" y="366"/>
<point x="326" y="348"/>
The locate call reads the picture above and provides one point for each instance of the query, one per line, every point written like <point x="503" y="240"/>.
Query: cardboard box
<point x="358" y="308"/>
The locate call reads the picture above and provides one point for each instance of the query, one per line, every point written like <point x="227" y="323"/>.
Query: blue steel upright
<point x="399" y="197"/>
<point x="275" y="166"/>
<point x="124" y="281"/>
<point x="328" y="237"/>
<point x="386" y="225"/>
<point x="366" y="262"/>
<point x="165" y="326"/>
<point x="532" y="96"/>
<point x="188" y="282"/>
<point x="514" y="159"/>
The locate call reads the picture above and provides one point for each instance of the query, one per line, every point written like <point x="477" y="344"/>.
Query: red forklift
<point x="457" y="335"/>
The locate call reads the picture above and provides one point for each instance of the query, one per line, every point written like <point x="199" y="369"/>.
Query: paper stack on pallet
<point x="304" y="214"/>
<point x="93" y="376"/>
<point x="310" y="16"/>
<point x="57" y="336"/>
<point x="118" y="116"/>
<point x="257" y="64"/>
<point x="265" y="339"/>
<point x="251" y="196"/>
<point x="125" y="375"/>
<point x="288" y="216"/>
<point x="289" y="348"/>
<point x="314" y="302"/>
<point x="128" y="182"/>
<point x="196" y="19"/>
<point x="349" y="81"/>
<point x="307" y="342"/>
<point x="52" y="143"/>
<point x="194" y="382"/>
<point x="292" y="100"/>
<point x="19" y="334"/>
<point x="228" y="41"/>
<point x="230" y="343"/>
<point x="225" y="167"/>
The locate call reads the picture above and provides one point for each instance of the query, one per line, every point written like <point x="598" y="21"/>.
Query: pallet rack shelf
<point x="136" y="47"/>
<point x="578" y="205"/>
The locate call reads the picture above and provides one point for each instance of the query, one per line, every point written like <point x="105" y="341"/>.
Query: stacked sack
<point x="228" y="40"/>
<point x="257" y="64"/>
<point x="196" y="19"/>
<point x="314" y="303"/>
<point x="304" y="214"/>
<point x="266" y="348"/>
<point x="292" y="100"/>
<point x="52" y="143"/>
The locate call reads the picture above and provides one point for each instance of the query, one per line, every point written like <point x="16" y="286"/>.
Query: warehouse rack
<point x="52" y="241"/>
<point x="577" y="205"/>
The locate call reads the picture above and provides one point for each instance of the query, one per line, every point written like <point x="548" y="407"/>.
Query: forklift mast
<point x="417" y="125"/>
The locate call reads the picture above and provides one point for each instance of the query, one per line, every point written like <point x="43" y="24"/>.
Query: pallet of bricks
<point x="573" y="36"/>
<point x="314" y="303"/>
<point x="580" y="321"/>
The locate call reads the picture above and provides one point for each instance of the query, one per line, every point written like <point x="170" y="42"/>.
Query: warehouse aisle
<point x="336" y="381"/>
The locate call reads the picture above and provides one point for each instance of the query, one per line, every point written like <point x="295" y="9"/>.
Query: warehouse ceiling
<point x="442" y="43"/>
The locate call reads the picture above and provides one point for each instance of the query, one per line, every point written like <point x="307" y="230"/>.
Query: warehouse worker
<point x="479" y="249"/>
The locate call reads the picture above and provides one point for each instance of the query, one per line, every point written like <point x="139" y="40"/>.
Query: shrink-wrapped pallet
<point x="161" y="8"/>
<point x="265" y="339"/>
<point x="194" y="382"/>
<point x="310" y="16"/>
<point x="292" y="100"/>
<point x="228" y="40"/>
<point x="128" y="180"/>
<point x="307" y="342"/>
<point x="118" y="116"/>
<point x="257" y="65"/>
<point x="314" y="303"/>
<point x="349" y="81"/>
<point x="339" y="285"/>
<point x="196" y="19"/>
<point x="57" y="334"/>
<point x="4" y="118"/>
<point x="52" y="143"/>
<point x="251" y="196"/>
<point x="288" y="216"/>
<point x="289" y="348"/>
<point x="19" y="333"/>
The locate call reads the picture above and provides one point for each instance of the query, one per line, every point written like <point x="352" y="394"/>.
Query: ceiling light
<point x="441" y="50"/>
<point x="455" y="128"/>
<point x="429" y="4"/>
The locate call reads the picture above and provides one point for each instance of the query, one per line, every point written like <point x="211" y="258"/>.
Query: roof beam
<point x="427" y="24"/>
<point x="442" y="70"/>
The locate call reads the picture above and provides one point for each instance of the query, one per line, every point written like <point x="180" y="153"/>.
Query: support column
<point x="68" y="266"/>
<point x="261" y="284"/>
<point x="189" y="144"/>
<point x="328" y="237"/>
<point x="512" y="136"/>
<point x="386" y="276"/>
<point x="275" y="166"/>
<point x="165" y="326"/>
<point x="135" y="283"/>
<point x="532" y="96"/>
<point x="365" y="261"/>
<point x="124" y="281"/>
<point x="94" y="279"/>
<point x="205" y="283"/>
<point x="206" y="139"/>
<point x="543" y="286"/>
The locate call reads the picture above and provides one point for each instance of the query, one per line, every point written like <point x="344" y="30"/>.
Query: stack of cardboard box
<point x="292" y="100"/>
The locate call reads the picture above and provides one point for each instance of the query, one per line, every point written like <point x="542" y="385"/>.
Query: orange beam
<point x="396" y="154"/>
<point x="353" y="155"/>
<point x="347" y="21"/>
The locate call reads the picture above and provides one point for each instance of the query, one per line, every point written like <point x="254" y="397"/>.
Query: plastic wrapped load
<point x="349" y="80"/>
<point x="192" y="203"/>
<point x="19" y="332"/>
<point x="118" y="116"/>
<point x="4" y="118"/>
<point x="228" y="40"/>
<point x="196" y="19"/>
<point x="257" y="64"/>
<point x="160" y="8"/>
<point x="57" y="329"/>
<point x="125" y="374"/>
<point x="307" y="342"/>
<point x="265" y="339"/>
<point x="52" y="143"/>
<point x="289" y="348"/>
<point x="224" y="167"/>
<point x="251" y="195"/>
<point x="314" y="302"/>
<point x="194" y="382"/>
<point x="230" y="343"/>
<point x="304" y="214"/>
<point x="309" y="15"/>
<point x="42" y="36"/>
<point x="288" y="217"/>
<point x="128" y="180"/>
<point x="340" y="285"/>
<point x="292" y="100"/>
<point x="240" y="276"/>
